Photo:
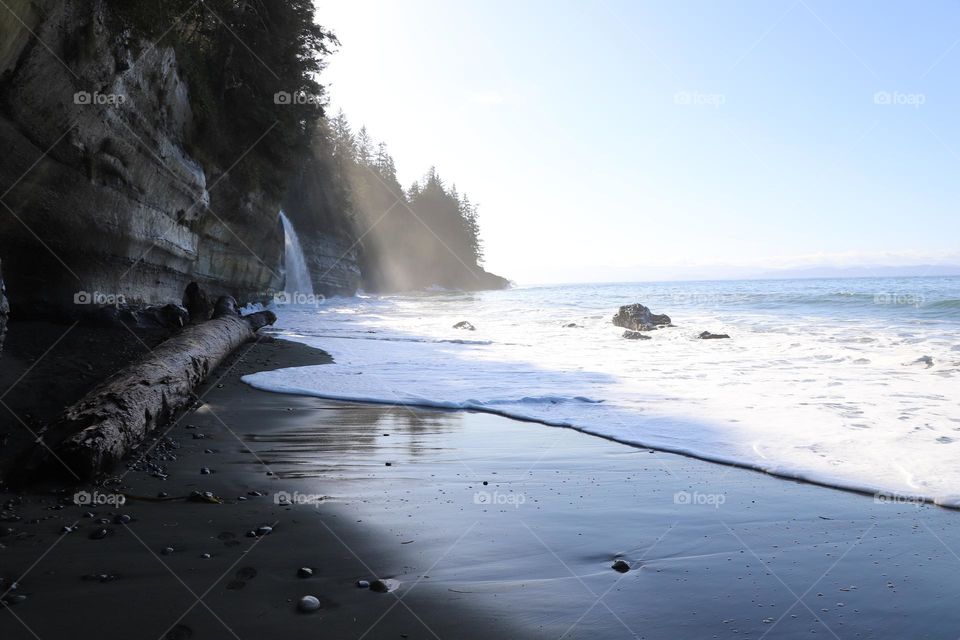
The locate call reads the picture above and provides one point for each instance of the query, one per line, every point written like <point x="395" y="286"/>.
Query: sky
<point x="613" y="140"/>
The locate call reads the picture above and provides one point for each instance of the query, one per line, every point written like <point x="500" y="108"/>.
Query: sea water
<point x="825" y="380"/>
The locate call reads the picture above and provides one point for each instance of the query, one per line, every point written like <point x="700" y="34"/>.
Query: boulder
<point x="706" y="335"/>
<point x="463" y="324"/>
<point x="225" y="306"/>
<point x="637" y="317"/>
<point x="197" y="304"/>
<point x="926" y="361"/>
<point x="635" y="335"/>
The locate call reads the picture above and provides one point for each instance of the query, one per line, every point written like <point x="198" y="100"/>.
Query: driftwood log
<point x="116" y="415"/>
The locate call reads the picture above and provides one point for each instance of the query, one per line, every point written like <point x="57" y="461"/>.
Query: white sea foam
<point x="827" y="389"/>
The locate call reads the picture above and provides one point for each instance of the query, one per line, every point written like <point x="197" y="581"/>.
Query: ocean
<point x="851" y="383"/>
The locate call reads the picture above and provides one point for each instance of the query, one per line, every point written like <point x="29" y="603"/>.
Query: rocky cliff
<point x="103" y="193"/>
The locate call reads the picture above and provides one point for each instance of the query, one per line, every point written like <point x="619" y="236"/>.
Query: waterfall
<point x="298" y="282"/>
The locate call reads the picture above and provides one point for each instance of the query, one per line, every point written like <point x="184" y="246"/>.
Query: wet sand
<point x="493" y="528"/>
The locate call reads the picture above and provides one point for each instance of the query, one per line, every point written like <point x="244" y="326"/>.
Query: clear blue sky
<point x="605" y="138"/>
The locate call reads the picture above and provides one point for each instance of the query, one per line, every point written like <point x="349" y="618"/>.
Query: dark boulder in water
<point x="635" y="335"/>
<point x="637" y="317"/>
<point x="463" y="324"/>
<point x="924" y="360"/>
<point x="706" y="335"/>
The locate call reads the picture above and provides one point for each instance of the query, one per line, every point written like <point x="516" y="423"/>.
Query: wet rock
<point x="264" y="531"/>
<point x="205" y="556"/>
<point x="927" y="361"/>
<point x="384" y="585"/>
<point x="308" y="604"/>
<point x="205" y="471"/>
<point x="635" y="335"/>
<point x="167" y="551"/>
<point x="571" y="325"/>
<point x="304" y="572"/>
<point x="100" y="534"/>
<point x="463" y="324"/>
<point x="122" y="519"/>
<point x="621" y="566"/>
<point x="363" y="584"/>
<point x="99" y="577"/>
<point x="706" y="335"/>
<point x="637" y="317"/>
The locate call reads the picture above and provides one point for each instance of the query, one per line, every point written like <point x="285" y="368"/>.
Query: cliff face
<point x="95" y="124"/>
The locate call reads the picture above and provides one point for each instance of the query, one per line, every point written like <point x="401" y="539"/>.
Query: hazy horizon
<point x="690" y="136"/>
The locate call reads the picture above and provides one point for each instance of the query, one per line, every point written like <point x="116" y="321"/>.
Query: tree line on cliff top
<point x="237" y="57"/>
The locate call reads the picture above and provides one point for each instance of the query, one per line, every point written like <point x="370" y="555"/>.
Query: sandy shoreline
<point x="714" y="551"/>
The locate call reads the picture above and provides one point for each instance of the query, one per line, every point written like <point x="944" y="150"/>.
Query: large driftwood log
<point x="117" y="415"/>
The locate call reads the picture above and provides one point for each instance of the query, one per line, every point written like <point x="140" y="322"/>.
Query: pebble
<point x="264" y="530"/>
<point x="100" y="534"/>
<point x="363" y="584"/>
<point x="304" y="572"/>
<point x="66" y="530"/>
<point x="167" y="551"/>
<point x="162" y="494"/>
<point x="122" y="519"/>
<point x="205" y="471"/>
<point x="308" y="604"/>
<point x="620" y="566"/>
<point x="205" y="556"/>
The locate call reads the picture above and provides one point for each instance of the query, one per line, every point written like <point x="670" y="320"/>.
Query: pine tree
<point x="364" y="146"/>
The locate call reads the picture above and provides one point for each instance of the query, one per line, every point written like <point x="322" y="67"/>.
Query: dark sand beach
<point x="492" y="528"/>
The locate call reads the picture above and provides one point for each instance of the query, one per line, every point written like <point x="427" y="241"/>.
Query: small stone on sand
<point x="308" y="604"/>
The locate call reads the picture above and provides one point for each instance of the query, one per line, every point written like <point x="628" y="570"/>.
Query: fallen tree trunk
<point x="119" y="413"/>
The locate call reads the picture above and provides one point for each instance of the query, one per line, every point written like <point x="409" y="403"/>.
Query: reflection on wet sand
<point x="335" y="435"/>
